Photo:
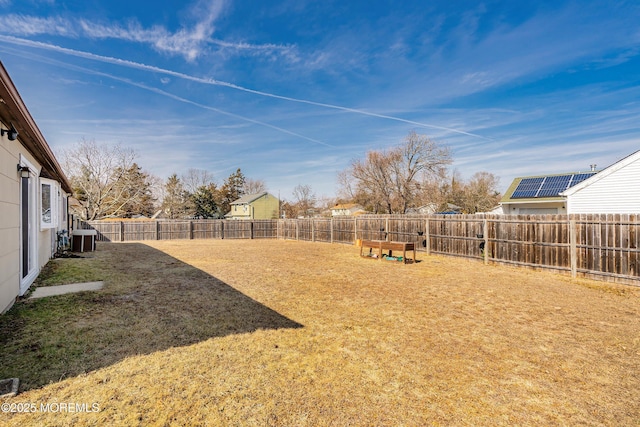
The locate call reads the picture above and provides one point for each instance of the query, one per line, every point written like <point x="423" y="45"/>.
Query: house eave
<point x="530" y="200"/>
<point x="243" y="201"/>
<point x="603" y="173"/>
<point x="14" y="110"/>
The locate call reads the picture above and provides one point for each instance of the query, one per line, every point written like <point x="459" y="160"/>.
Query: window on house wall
<point x="28" y="225"/>
<point x="63" y="211"/>
<point x="49" y="196"/>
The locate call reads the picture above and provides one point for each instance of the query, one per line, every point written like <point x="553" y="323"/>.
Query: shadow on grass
<point x="151" y="302"/>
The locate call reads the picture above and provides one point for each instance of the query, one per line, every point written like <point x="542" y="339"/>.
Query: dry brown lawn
<point x="223" y="332"/>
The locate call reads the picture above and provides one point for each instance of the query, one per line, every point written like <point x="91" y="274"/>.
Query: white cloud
<point x="191" y="40"/>
<point x="479" y="78"/>
<point x="30" y="25"/>
<point x="268" y="50"/>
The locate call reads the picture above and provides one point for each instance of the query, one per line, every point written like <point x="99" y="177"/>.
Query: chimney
<point x="593" y="167"/>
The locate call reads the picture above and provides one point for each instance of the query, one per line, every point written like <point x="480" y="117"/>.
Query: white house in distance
<point x="346" y="209"/>
<point x="33" y="196"/>
<point x="615" y="189"/>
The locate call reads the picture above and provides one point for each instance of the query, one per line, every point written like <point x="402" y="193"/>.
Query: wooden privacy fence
<point x="598" y="246"/>
<point x="126" y="231"/>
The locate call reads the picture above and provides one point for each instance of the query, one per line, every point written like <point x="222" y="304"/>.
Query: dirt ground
<point x="282" y="333"/>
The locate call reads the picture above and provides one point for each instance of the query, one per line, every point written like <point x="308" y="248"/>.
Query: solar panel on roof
<point x="549" y="186"/>
<point x="579" y="177"/>
<point x="554" y="185"/>
<point x="528" y="187"/>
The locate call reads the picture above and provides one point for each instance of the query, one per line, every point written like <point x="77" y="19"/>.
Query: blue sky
<point x="292" y="91"/>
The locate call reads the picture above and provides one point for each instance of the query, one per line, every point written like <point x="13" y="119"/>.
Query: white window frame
<point x="49" y="219"/>
<point x="62" y="219"/>
<point x="31" y="251"/>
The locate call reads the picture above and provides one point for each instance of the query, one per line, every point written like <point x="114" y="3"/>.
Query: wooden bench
<point x="381" y="245"/>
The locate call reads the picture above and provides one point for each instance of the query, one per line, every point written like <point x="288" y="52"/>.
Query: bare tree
<point x="305" y="199"/>
<point x="390" y="179"/>
<point x="346" y="185"/>
<point x="452" y="191"/>
<point x="324" y="203"/>
<point x="196" y="178"/>
<point x="432" y="192"/>
<point x="97" y="174"/>
<point x="481" y="192"/>
<point x="373" y="177"/>
<point x="288" y="210"/>
<point x="418" y="158"/>
<point x="478" y="194"/>
<point x="254" y="186"/>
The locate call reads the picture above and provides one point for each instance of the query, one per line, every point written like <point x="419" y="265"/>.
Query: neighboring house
<point x="427" y="209"/>
<point x="451" y="209"/>
<point x="33" y="196"/>
<point x="255" y="206"/>
<point x="615" y="189"/>
<point x="346" y="209"/>
<point x="497" y="210"/>
<point x="611" y="190"/>
<point x="540" y="195"/>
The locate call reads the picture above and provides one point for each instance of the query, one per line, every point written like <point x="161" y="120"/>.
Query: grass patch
<point x="64" y="271"/>
<point x="39" y="337"/>
<point x="291" y="333"/>
<point x="138" y="312"/>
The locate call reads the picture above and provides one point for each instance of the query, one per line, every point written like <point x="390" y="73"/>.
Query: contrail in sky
<point x="181" y="99"/>
<point x="139" y="66"/>
<point x="226" y="113"/>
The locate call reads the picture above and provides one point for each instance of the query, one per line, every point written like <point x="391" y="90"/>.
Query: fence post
<point x="386" y="229"/>
<point x="427" y="240"/>
<point x="191" y="230"/>
<point x="297" y="230"/>
<point x="331" y="230"/>
<point x="313" y="230"/>
<point x="222" y="229"/>
<point x="157" y="230"/>
<point x="485" y="235"/>
<point x="573" y="246"/>
<point x="121" y="231"/>
<point x="355" y="229"/>
<point x="251" y="230"/>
